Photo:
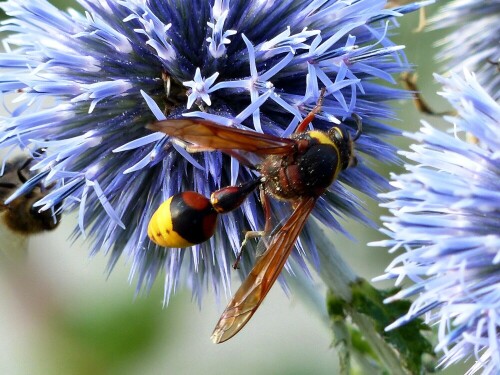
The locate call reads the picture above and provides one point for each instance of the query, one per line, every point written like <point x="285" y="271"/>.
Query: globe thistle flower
<point x="475" y="43"/>
<point x="123" y="64"/>
<point x="446" y="218"/>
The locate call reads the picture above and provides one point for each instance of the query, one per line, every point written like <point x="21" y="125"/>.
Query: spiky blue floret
<point x="446" y="219"/>
<point x="474" y="42"/>
<point x="258" y="64"/>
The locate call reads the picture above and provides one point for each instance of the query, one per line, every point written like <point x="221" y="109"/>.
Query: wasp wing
<point x="263" y="275"/>
<point x="219" y="137"/>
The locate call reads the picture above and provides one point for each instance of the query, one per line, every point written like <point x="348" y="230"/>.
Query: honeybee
<point x="19" y="214"/>
<point x="298" y="169"/>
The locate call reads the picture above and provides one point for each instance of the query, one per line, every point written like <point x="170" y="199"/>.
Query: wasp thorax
<point x="310" y="170"/>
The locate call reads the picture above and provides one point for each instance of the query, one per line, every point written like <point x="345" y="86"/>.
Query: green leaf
<point x="408" y="339"/>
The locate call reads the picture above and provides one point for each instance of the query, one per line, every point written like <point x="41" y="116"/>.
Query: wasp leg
<point x="248" y="236"/>
<point x="308" y="119"/>
<point x="264" y="198"/>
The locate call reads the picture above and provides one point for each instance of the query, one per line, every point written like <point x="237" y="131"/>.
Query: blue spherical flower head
<point x="447" y="220"/>
<point x="473" y="43"/>
<point x="85" y="87"/>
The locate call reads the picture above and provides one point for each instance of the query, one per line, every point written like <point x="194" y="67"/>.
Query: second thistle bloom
<point x="474" y="40"/>
<point x="446" y="220"/>
<point x="254" y="64"/>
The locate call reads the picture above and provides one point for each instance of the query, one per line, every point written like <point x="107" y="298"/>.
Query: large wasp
<point x="298" y="169"/>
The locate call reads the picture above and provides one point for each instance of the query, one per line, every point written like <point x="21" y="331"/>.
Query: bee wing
<point x="211" y="135"/>
<point x="263" y="275"/>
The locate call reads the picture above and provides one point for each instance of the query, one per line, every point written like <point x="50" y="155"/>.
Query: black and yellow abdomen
<point x="189" y="218"/>
<point x="183" y="220"/>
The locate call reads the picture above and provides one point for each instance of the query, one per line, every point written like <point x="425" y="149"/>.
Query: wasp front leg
<point x="308" y="119"/>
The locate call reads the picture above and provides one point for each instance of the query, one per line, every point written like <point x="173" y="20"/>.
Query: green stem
<point x="339" y="278"/>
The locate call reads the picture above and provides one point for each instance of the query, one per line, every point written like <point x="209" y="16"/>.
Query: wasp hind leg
<point x="248" y="236"/>
<point x="266" y="205"/>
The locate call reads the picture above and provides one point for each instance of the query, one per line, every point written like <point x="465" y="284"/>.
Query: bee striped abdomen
<point x="183" y="220"/>
<point x="189" y="218"/>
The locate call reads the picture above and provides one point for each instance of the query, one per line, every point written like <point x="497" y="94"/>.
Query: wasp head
<point x="345" y="143"/>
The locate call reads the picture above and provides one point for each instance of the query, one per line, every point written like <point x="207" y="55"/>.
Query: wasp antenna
<point x="359" y="123"/>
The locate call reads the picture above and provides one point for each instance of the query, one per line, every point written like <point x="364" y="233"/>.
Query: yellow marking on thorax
<point x="322" y="137"/>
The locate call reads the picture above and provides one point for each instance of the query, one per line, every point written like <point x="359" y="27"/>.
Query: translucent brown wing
<point x="219" y="137"/>
<point x="263" y="275"/>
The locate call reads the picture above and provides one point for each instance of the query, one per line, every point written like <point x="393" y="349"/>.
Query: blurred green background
<point x="60" y="314"/>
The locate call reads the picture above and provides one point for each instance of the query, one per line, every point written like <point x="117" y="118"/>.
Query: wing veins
<point x="209" y="134"/>
<point x="266" y="270"/>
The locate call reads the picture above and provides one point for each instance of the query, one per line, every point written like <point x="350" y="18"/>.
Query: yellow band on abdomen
<point x="160" y="229"/>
